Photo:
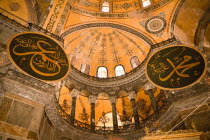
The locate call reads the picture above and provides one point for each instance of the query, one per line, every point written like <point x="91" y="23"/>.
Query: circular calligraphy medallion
<point x="155" y="25"/>
<point x="39" y="56"/>
<point x="175" y="67"/>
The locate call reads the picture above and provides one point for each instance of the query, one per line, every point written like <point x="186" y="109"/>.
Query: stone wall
<point x="20" y="117"/>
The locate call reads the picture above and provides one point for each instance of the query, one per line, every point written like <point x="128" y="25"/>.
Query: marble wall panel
<point x="4" y="107"/>
<point x="13" y="130"/>
<point x="35" y="122"/>
<point x="32" y="135"/>
<point x="47" y="129"/>
<point x="20" y="114"/>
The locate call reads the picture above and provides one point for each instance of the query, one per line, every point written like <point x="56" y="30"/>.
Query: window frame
<point x="110" y="6"/>
<point x="151" y="1"/>
<point x="106" y="71"/>
<point x="122" y="67"/>
<point x="131" y="62"/>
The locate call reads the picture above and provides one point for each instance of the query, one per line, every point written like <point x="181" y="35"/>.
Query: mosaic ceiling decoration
<point x="175" y="67"/>
<point x="105" y="46"/>
<point x="14" y="6"/>
<point x="155" y="24"/>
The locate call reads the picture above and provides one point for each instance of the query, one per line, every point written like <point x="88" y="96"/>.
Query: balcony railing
<point x="109" y="130"/>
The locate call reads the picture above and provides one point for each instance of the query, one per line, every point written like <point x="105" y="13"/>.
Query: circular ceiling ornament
<point x="155" y="24"/>
<point x="39" y="56"/>
<point x="175" y="67"/>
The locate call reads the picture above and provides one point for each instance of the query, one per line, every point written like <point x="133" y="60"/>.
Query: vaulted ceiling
<point x="109" y="39"/>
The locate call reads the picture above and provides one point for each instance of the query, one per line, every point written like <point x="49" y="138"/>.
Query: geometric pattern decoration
<point x="175" y="67"/>
<point x="155" y="25"/>
<point x="126" y="6"/>
<point x="14" y="6"/>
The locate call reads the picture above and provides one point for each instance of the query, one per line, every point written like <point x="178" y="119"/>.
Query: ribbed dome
<point x="106" y="47"/>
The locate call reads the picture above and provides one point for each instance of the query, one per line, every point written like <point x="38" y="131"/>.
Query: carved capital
<point x="113" y="99"/>
<point x="92" y="99"/>
<point x="75" y="93"/>
<point x="131" y="95"/>
<point x="149" y="86"/>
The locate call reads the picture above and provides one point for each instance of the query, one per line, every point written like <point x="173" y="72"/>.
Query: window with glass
<point x="105" y="7"/>
<point x="119" y="70"/>
<point x="85" y="68"/>
<point x="135" y="62"/>
<point x="102" y="72"/>
<point x="146" y="3"/>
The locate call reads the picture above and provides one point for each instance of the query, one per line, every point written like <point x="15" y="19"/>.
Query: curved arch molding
<point x="112" y="25"/>
<point x="201" y="29"/>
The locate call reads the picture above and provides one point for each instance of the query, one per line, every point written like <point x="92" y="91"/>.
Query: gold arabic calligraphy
<point x="180" y="66"/>
<point x="40" y="59"/>
<point x="164" y="65"/>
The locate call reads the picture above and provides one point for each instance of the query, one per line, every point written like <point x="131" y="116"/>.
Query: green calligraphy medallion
<point x="175" y="67"/>
<point x="39" y="56"/>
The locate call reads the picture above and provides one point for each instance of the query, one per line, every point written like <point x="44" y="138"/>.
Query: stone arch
<point x="112" y="25"/>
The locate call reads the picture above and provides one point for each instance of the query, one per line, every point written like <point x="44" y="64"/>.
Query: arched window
<point x="102" y="72"/>
<point x="135" y="62"/>
<point x="105" y="7"/>
<point x="146" y="3"/>
<point x="119" y="70"/>
<point x="85" y="68"/>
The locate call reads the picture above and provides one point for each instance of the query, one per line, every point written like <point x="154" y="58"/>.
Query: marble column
<point x="74" y="94"/>
<point x="149" y="90"/>
<point x="113" y="101"/>
<point x="132" y="98"/>
<point x="92" y="101"/>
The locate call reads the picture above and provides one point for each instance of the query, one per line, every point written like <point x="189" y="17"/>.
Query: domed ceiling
<point x="96" y="38"/>
<point x="117" y="6"/>
<point x="106" y="47"/>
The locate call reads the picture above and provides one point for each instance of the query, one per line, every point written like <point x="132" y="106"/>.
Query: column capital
<point x="74" y="93"/>
<point x="92" y="99"/>
<point x="149" y="86"/>
<point x="131" y="95"/>
<point x="113" y="99"/>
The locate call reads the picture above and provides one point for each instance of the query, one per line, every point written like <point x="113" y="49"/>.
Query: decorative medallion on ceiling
<point x="155" y="25"/>
<point x="14" y="6"/>
<point x="39" y="56"/>
<point x="176" y="67"/>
